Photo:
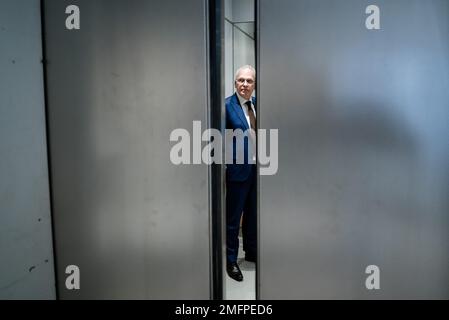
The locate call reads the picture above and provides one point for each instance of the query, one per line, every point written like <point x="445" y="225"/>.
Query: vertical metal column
<point x="135" y="224"/>
<point x="26" y="253"/>
<point x="363" y="174"/>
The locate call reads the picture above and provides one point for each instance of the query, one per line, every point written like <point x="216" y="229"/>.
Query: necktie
<point x="252" y="116"/>
<point x="252" y="121"/>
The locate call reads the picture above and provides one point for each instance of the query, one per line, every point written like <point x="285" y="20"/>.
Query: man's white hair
<point x="243" y="68"/>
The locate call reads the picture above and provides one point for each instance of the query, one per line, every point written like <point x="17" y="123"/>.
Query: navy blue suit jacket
<point x="235" y="119"/>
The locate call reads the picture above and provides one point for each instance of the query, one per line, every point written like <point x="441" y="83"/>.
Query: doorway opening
<point x="241" y="232"/>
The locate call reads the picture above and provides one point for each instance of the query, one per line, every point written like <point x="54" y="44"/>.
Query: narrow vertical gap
<point x="216" y="117"/>
<point x="257" y="62"/>
<point x="240" y="42"/>
<point x="47" y="133"/>
<point x="233" y="57"/>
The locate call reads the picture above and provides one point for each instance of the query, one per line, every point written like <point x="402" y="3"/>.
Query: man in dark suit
<point x="241" y="178"/>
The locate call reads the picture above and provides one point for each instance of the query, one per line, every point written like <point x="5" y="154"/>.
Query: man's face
<point x="244" y="84"/>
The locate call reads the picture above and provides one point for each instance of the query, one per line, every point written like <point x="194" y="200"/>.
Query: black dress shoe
<point x="234" y="271"/>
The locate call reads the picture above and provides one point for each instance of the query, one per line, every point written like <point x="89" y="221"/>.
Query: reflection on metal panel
<point x="363" y="125"/>
<point x="136" y="225"/>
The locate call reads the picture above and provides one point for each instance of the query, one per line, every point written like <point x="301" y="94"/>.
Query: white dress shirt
<point x="245" y="111"/>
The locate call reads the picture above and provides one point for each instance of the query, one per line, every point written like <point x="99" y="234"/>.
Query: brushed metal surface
<point x="363" y="179"/>
<point x="136" y="225"/>
<point x="26" y="253"/>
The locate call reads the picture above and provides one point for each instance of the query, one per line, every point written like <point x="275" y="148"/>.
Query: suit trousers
<point x="241" y="197"/>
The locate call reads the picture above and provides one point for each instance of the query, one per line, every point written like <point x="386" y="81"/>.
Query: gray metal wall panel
<point x="363" y="119"/>
<point x="135" y="224"/>
<point x="26" y="253"/>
